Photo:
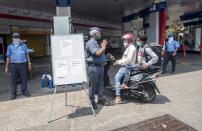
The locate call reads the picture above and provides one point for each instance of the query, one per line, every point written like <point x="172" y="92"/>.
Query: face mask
<point x="97" y="37"/>
<point x="16" y="41"/>
<point x="125" y="44"/>
<point x="170" y="39"/>
<point x="139" y="43"/>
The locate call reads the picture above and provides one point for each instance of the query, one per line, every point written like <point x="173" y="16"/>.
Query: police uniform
<point x="18" y="66"/>
<point x="170" y="48"/>
<point x="95" y="69"/>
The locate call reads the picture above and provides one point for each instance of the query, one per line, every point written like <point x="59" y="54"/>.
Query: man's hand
<point x="174" y="54"/>
<point x="144" y="66"/>
<point x="104" y="44"/>
<point x="103" y="47"/>
<point x="6" y="71"/>
<point x="29" y="67"/>
<point x="140" y="62"/>
<point x="162" y="53"/>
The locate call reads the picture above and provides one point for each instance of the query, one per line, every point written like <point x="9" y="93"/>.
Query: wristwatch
<point x="29" y="63"/>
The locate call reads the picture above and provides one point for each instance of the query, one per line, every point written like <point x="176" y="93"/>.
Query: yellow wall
<point x="36" y="42"/>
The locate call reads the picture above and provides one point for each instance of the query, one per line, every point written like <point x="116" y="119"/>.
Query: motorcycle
<point x="141" y="85"/>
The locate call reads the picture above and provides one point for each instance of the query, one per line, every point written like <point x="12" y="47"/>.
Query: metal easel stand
<point x="84" y="86"/>
<point x="50" y="114"/>
<point x="53" y="98"/>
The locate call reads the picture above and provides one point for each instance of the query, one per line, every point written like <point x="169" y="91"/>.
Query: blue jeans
<point x="123" y="73"/>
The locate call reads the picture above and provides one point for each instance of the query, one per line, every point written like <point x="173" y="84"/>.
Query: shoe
<point x="163" y="72"/>
<point x="94" y="105"/>
<point x="172" y="72"/>
<point x="103" y="102"/>
<point x="13" y="97"/>
<point x="30" y="78"/>
<point x="26" y="93"/>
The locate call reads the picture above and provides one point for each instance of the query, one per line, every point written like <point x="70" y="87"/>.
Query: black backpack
<point x="157" y="50"/>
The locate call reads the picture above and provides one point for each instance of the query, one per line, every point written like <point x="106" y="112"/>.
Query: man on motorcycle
<point x="128" y="59"/>
<point x="146" y="57"/>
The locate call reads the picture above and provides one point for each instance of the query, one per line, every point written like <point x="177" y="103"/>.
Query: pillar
<point x="63" y="19"/>
<point x="153" y="30"/>
<point x="63" y="11"/>
<point x="162" y="27"/>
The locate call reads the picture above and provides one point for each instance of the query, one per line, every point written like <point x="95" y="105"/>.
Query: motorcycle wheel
<point x="149" y="95"/>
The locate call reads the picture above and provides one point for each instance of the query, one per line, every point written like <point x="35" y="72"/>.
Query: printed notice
<point x="66" y="48"/>
<point x="76" y="67"/>
<point x="61" y="69"/>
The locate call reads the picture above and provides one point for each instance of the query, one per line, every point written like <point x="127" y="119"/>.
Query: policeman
<point x="170" y="50"/>
<point x="17" y="60"/>
<point x="95" y="57"/>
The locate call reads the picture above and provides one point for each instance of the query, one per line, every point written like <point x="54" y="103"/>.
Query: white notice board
<point x="68" y="59"/>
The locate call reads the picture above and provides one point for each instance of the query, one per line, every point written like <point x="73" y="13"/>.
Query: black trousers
<point x="18" y="70"/>
<point x="96" y="83"/>
<point x="169" y="57"/>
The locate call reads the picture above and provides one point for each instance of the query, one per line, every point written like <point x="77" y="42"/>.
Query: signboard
<point x="62" y="3"/>
<point x="12" y="12"/>
<point x="145" y="12"/>
<point x="68" y="59"/>
<point x="157" y="7"/>
<point x="68" y="63"/>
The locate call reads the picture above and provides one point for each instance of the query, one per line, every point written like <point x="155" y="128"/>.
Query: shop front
<point x="4" y="32"/>
<point x="37" y="38"/>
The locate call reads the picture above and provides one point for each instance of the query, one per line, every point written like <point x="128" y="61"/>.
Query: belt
<point x="98" y="65"/>
<point x="18" y="63"/>
<point x="170" y="52"/>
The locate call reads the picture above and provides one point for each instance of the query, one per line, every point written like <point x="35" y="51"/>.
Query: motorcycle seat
<point x="147" y="71"/>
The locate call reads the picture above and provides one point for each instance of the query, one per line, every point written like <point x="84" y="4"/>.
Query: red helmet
<point x="129" y="37"/>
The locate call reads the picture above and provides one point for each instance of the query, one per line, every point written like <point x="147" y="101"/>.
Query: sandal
<point x="118" y="100"/>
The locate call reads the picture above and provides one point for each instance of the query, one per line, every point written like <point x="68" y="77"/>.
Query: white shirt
<point x="129" y="56"/>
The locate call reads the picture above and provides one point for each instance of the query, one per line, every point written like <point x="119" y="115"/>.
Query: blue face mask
<point x="16" y="41"/>
<point x="170" y="39"/>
